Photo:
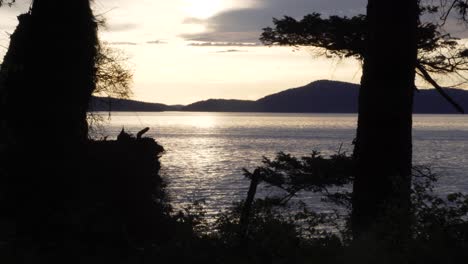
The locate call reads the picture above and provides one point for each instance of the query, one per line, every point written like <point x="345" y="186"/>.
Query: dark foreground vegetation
<point x="123" y="215"/>
<point x="65" y="198"/>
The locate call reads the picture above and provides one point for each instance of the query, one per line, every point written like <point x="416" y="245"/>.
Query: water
<point x="205" y="152"/>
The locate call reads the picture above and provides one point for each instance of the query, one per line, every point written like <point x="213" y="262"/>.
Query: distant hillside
<point x="431" y="102"/>
<point x="126" y="105"/>
<point x="221" y="105"/>
<point x="326" y="97"/>
<point x="317" y="97"/>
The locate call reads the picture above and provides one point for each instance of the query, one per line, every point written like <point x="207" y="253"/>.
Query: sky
<point x="182" y="51"/>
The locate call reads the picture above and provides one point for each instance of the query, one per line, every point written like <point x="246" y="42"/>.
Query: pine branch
<point x="439" y="89"/>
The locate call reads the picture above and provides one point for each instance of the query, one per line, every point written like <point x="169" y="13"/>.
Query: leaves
<point x="439" y="53"/>
<point x="309" y="173"/>
<point x="337" y="36"/>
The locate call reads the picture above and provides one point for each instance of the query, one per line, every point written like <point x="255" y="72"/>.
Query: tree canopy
<point x="393" y="47"/>
<point x="439" y="53"/>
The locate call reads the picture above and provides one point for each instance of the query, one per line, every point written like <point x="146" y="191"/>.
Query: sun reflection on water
<point x="205" y="152"/>
<point x="206" y="121"/>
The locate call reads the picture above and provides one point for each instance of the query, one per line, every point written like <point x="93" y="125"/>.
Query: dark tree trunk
<point x="383" y="150"/>
<point x="65" y="46"/>
<point x="48" y="77"/>
<point x="49" y="71"/>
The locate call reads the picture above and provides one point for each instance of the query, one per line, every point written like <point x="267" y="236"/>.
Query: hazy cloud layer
<point x="231" y="51"/>
<point x="130" y="43"/>
<point x="156" y="42"/>
<point x="215" y="35"/>
<point x="121" y="43"/>
<point x="120" y="27"/>
<point x="245" y="25"/>
<point x="223" y="44"/>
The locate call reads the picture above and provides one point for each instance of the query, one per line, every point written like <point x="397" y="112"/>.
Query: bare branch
<point x="439" y="89"/>
<point x="459" y="6"/>
<point x="446" y="14"/>
<point x="113" y="77"/>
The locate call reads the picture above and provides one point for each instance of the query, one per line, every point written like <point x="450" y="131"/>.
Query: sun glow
<point x="203" y="121"/>
<point x="203" y="8"/>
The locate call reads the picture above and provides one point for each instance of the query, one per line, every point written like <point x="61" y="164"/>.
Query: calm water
<point x="205" y="152"/>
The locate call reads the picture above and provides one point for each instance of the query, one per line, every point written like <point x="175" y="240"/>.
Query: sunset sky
<point x="182" y="51"/>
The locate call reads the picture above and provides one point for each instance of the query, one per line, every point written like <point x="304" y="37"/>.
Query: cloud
<point x="120" y="27"/>
<point x="156" y="42"/>
<point x="223" y="44"/>
<point x="121" y="43"/>
<point x="245" y="25"/>
<point x="231" y="51"/>
<point x="193" y="20"/>
<point x="222" y="36"/>
<point x="130" y="43"/>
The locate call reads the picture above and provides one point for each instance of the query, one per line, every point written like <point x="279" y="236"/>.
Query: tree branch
<point x="445" y="16"/>
<point x="439" y="89"/>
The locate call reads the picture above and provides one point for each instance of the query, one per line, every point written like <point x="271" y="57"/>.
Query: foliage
<point x="439" y="224"/>
<point x="337" y="36"/>
<point x="297" y="222"/>
<point x="194" y="218"/>
<point x="346" y="37"/>
<point x="113" y="77"/>
<point x="439" y="53"/>
<point x="279" y="234"/>
<point x="436" y="218"/>
<point x="284" y="233"/>
<point x="310" y="173"/>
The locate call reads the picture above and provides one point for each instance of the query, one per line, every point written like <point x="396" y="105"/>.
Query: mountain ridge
<point x="323" y="96"/>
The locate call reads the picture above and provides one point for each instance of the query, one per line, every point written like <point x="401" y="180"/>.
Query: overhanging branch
<point x="439" y="89"/>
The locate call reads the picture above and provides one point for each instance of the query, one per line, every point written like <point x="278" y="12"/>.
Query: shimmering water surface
<point x="205" y="152"/>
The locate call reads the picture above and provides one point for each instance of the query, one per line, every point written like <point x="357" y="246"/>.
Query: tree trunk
<point x="48" y="77"/>
<point x="383" y="147"/>
<point x="65" y="47"/>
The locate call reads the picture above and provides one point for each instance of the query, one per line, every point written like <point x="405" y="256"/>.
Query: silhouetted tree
<point x="381" y="192"/>
<point x="439" y="54"/>
<point x="48" y="75"/>
<point x="392" y="44"/>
